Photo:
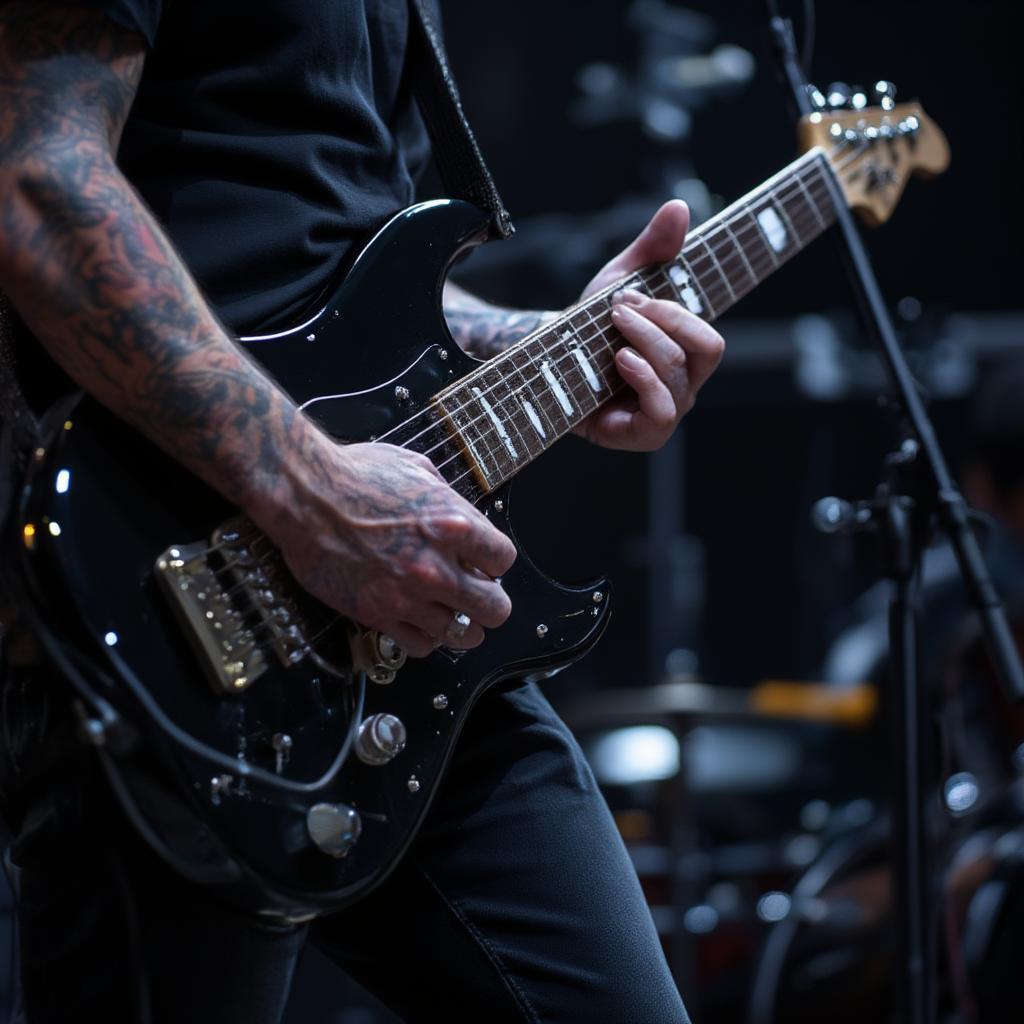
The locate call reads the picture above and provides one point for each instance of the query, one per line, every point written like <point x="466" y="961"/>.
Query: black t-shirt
<point x="268" y="136"/>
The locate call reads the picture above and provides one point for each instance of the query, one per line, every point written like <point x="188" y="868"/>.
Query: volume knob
<point x="381" y="738"/>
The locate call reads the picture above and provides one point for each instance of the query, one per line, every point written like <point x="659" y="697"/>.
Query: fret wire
<point x="541" y="399"/>
<point x="607" y="348"/>
<point x="550" y="390"/>
<point x="472" y="446"/>
<point x="810" y="199"/>
<point x="531" y="435"/>
<point x="780" y="199"/>
<point x="540" y="403"/>
<point x="718" y="266"/>
<point x="818" y="169"/>
<point x="574" y="376"/>
<point x="718" y="299"/>
<point x="698" y="284"/>
<point x="759" y="234"/>
<point x="507" y="418"/>
<point x="743" y="256"/>
<point x="775" y="194"/>
<point x="784" y="213"/>
<point x="554" y="363"/>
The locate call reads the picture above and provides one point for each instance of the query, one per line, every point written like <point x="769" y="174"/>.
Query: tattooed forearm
<point x="92" y="273"/>
<point x="484" y="330"/>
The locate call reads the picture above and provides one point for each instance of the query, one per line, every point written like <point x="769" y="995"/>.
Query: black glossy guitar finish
<point x="101" y="505"/>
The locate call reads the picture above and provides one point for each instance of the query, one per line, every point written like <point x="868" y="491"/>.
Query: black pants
<point x="517" y="902"/>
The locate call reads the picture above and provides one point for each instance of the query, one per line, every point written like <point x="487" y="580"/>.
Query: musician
<point x="176" y="173"/>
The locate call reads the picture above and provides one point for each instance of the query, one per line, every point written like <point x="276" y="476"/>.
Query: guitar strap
<point x="459" y="160"/>
<point x="463" y="171"/>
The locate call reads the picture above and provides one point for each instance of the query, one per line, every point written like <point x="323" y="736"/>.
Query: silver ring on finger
<point x="456" y="629"/>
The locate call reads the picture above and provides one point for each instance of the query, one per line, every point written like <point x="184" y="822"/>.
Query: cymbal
<point x="678" y="700"/>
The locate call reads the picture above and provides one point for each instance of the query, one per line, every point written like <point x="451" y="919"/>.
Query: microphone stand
<point x="917" y="492"/>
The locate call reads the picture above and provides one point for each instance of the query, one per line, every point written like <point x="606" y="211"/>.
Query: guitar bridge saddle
<point x="195" y="590"/>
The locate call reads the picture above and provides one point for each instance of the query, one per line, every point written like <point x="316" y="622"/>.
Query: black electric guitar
<point x="301" y="749"/>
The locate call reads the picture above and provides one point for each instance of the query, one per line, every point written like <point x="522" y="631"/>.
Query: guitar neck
<point x="515" y="406"/>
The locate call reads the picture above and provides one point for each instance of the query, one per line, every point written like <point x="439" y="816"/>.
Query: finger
<point x="486" y="548"/>
<point x="661" y="240"/>
<point x="656" y="404"/>
<point x="436" y="620"/>
<point x="664" y="354"/>
<point x="483" y="600"/>
<point x="703" y="345"/>
<point x="611" y="426"/>
<point x="411" y="639"/>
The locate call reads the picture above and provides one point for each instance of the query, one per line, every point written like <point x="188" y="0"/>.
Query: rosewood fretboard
<point x="503" y="415"/>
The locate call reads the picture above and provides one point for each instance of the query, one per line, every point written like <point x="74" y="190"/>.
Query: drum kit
<point x="759" y="822"/>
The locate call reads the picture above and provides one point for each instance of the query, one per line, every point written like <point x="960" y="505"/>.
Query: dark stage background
<point x="793" y="414"/>
<point x="758" y="449"/>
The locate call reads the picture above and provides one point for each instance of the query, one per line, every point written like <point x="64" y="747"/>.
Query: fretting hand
<point x="669" y="354"/>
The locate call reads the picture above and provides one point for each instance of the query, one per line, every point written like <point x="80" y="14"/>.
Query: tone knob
<point x="334" y="828"/>
<point x="391" y="655"/>
<point x="381" y="738"/>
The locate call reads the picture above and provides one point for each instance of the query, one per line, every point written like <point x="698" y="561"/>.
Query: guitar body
<point x="242" y="770"/>
<point x="203" y="772"/>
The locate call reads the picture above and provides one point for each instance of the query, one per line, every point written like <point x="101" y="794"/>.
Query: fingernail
<point x="626" y="311"/>
<point x="628" y="295"/>
<point x="630" y="358"/>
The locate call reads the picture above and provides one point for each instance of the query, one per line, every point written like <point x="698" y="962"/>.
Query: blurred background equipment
<point x="756" y="813"/>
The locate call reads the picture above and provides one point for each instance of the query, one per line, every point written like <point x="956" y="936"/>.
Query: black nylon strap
<point x="462" y="167"/>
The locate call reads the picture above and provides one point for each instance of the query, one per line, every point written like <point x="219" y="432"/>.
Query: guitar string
<point x="816" y="160"/>
<point x="487" y="436"/>
<point x="701" y="235"/>
<point x="751" y="229"/>
<point x="766" y="266"/>
<point x="723" y="225"/>
<point x="602" y="332"/>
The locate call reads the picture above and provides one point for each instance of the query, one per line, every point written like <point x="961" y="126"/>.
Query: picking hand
<point x="383" y="539"/>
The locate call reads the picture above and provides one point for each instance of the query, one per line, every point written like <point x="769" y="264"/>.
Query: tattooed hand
<point x="671" y="352"/>
<point x="375" y="532"/>
<point x="371" y="530"/>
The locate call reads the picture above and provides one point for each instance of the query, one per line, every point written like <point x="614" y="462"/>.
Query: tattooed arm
<point x="101" y="287"/>
<point x="484" y="330"/>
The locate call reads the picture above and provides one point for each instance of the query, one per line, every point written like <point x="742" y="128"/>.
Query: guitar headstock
<point x="874" y="150"/>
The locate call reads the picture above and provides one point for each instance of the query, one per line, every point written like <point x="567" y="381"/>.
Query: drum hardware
<point x="917" y="491"/>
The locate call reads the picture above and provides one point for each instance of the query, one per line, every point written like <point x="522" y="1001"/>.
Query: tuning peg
<point x="858" y="98"/>
<point x="816" y="97"/>
<point x="838" y="95"/>
<point x="886" y="93"/>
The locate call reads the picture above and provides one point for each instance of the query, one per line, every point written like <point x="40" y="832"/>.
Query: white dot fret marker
<point x="498" y="425"/>
<point x="773" y="228"/>
<point x="588" y="371"/>
<point x="563" y="398"/>
<point x="681" y="279"/>
<point x="534" y="419"/>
